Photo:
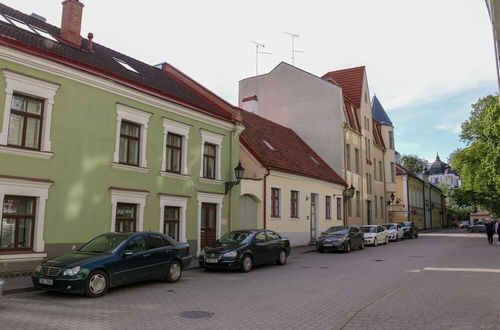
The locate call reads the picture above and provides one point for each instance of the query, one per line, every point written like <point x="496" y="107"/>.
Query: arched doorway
<point x="248" y="212"/>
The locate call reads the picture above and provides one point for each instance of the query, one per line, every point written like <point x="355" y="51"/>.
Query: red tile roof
<point x="291" y="154"/>
<point x="352" y="116"/>
<point x="100" y="62"/>
<point x="377" y="133"/>
<point x="351" y="81"/>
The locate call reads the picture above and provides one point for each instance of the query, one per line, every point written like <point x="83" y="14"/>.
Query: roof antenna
<point x="257" y="52"/>
<point x="293" y="45"/>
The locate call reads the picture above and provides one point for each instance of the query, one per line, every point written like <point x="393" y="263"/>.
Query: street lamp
<point x="238" y="173"/>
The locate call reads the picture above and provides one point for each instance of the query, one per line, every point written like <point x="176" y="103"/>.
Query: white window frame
<point x="29" y="188"/>
<point x="138" y="117"/>
<point x="18" y="83"/>
<point x="215" y="139"/>
<point x="175" y="127"/>
<point x="280" y="203"/>
<point x="204" y="197"/>
<point x="175" y="201"/>
<point x="129" y="197"/>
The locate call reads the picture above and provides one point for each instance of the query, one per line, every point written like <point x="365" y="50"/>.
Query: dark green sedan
<point x="111" y="260"/>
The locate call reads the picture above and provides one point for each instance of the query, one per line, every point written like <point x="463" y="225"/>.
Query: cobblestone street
<point x="413" y="284"/>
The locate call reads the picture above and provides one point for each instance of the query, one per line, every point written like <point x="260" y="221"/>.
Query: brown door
<point x="208" y="224"/>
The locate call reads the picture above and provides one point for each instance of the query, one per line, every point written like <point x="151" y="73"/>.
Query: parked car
<point x="111" y="260"/>
<point x="243" y="249"/>
<point x="464" y="224"/>
<point x="342" y="238"/>
<point x="477" y="227"/>
<point x="395" y="231"/>
<point x="374" y="234"/>
<point x="410" y="230"/>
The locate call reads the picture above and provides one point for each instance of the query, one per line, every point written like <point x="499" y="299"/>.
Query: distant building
<point x="440" y="172"/>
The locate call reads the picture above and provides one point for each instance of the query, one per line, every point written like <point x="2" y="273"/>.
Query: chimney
<point x="71" y="22"/>
<point x="90" y="48"/>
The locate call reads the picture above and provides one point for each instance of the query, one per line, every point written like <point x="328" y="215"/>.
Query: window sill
<point x="15" y="256"/>
<point x="26" y="152"/>
<point x="130" y="168"/>
<point x="174" y="175"/>
<point x="210" y="181"/>
<point x="275" y="218"/>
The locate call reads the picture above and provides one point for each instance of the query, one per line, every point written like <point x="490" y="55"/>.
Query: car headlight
<point x="72" y="271"/>
<point x="230" y="254"/>
<point x="38" y="268"/>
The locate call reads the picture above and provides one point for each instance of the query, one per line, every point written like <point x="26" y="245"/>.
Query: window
<point x="209" y="151"/>
<point x="174" y="153"/>
<point x="376" y="206"/>
<point x="126" y="218"/>
<point x="369" y="183"/>
<point x="27" y="119"/>
<point x="131" y="137"/>
<point x="328" y="207"/>
<point x="393" y="172"/>
<point x="375" y="169"/>
<point x="154" y="242"/>
<point x="391" y="140"/>
<point x="349" y="207"/>
<point x="339" y="208"/>
<point x="358" y="204"/>
<point x="272" y="236"/>
<point x="381" y="207"/>
<point x="171" y="218"/>
<point x="136" y="245"/>
<point x="25" y="126"/>
<point x="211" y="166"/>
<point x="294" y="204"/>
<point x="356" y="156"/>
<point x="18" y="222"/>
<point x="261" y="237"/>
<point x="348" y="156"/>
<point x="130" y="140"/>
<point x="275" y="202"/>
<point x="125" y="65"/>
<point x="380" y="172"/>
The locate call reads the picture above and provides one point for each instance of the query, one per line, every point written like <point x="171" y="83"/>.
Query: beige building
<point x="333" y="115"/>
<point x="287" y="187"/>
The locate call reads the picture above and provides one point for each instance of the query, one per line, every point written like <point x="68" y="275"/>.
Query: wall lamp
<point x="238" y="172"/>
<point x="392" y="199"/>
<point x="349" y="192"/>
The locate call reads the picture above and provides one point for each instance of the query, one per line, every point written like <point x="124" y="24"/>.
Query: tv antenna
<point x="293" y="36"/>
<point x="257" y="52"/>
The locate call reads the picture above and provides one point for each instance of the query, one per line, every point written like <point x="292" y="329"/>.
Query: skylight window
<point x="125" y="65"/>
<point x="314" y="160"/>
<point x="269" y="145"/>
<point x="20" y="24"/>
<point x="43" y="33"/>
<point x="3" y="19"/>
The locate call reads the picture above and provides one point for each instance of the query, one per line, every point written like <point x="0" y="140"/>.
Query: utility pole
<point x="257" y="52"/>
<point x="293" y="36"/>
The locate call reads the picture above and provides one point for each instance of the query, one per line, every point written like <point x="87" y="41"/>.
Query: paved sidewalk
<point x="18" y="284"/>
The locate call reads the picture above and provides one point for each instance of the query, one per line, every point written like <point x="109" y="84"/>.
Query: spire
<point x="437" y="157"/>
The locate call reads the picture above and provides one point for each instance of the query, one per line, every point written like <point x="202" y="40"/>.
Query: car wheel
<point x="246" y="264"/>
<point x="282" y="258"/>
<point x="96" y="284"/>
<point x="375" y="242"/>
<point x="174" y="272"/>
<point x="416" y="235"/>
<point x="386" y="240"/>
<point x="469" y="230"/>
<point x="348" y="247"/>
<point x="362" y="246"/>
<point x="320" y="250"/>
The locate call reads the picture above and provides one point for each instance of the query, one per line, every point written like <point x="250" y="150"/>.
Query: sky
<point x="427" y="61"/>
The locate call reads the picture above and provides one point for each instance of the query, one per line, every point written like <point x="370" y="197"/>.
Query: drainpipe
<point x="344" y="200"/>
<point x="265" y="199"/>
<point x="423" y="196"/>
<point x="386" y="213"/>
<point x="408" y="196"/>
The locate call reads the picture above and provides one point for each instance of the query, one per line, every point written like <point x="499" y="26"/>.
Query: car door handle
<point x="146" y="255"/>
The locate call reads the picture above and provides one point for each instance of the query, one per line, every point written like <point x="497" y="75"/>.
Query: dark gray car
<point x="477" y="227"/>
<point x="342" y="238"/>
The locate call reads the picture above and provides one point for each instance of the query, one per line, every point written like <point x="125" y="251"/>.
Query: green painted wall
<point x="83" y="134"/>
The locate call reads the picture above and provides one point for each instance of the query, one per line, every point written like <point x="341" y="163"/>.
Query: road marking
<point x="481" y="270"/>
<point x="413" y="270"/>
<point x="471" y="235"/>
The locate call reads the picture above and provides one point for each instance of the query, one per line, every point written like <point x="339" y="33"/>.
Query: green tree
<point x="478" y="164"/>
<point x="413" y="161"/>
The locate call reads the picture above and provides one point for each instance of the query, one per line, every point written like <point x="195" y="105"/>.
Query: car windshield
<point x="390" y="226"/>
<point x="337" y="230"/>
<point x="407" y="224"/>
<point x="368" y="229"/>
<point x="235" y="237"/>
<point x="103" y="243"/>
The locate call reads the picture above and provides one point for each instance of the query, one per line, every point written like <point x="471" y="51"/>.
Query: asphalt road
<point x="448" y="280"/>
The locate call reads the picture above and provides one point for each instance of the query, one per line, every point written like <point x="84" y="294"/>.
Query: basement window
<point x="44" y="34"/>
<point x="20" y="24"/>
<point x="269" y="145"/>
<point x="125" y="65"/>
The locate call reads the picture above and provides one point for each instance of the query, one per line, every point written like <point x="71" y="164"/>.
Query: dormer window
<point x="20" y="24"/>
<point x="3" y="19"/>
<point x="125" y="65"/>
<point x="314" y="160"/>
<point x="44" y="34"/>
<point x="268" y="145"/>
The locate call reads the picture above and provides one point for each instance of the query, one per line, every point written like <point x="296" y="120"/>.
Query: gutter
<point x="265" y="199"/>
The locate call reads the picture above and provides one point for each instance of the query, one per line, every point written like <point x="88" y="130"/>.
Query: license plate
<point x="328" y="244"/>
<point x="45" y="281"/>
<point x="211" y="260"/>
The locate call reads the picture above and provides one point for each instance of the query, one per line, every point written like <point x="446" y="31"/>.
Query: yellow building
<point x="286" y="187"/>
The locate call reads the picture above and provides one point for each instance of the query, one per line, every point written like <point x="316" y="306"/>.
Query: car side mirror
<point x="127" y="253"/>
